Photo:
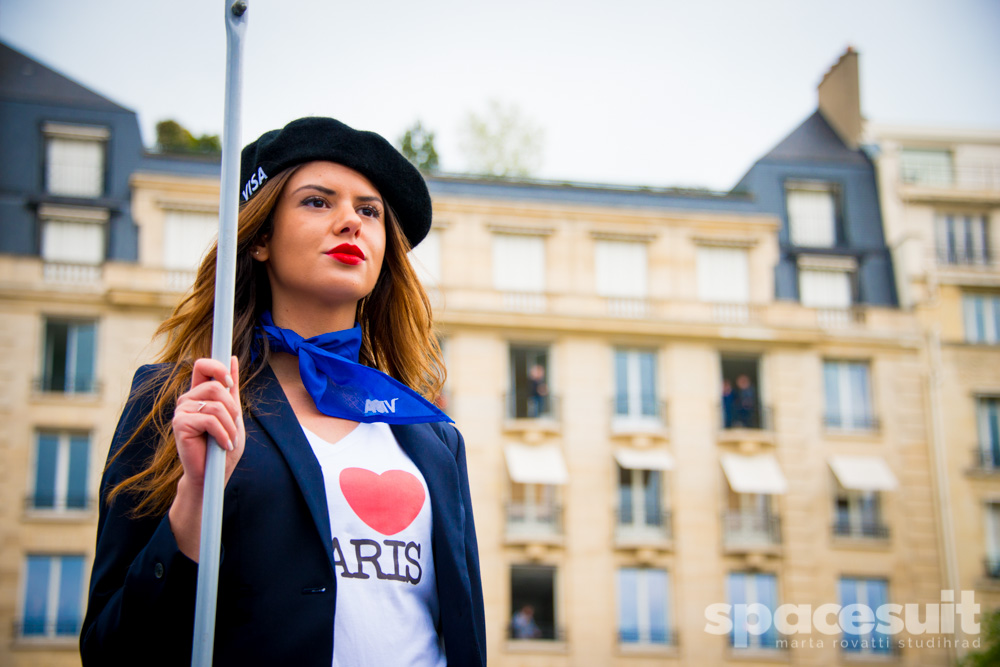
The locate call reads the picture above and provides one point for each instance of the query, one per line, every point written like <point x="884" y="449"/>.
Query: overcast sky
<point x="668" y="92"/>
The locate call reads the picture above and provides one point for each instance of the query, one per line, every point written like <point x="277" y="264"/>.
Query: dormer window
<point x="812" y="215"/>
<point x="75" y="159"/>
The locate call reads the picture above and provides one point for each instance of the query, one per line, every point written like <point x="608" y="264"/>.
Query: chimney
<point x="840" y="98"/>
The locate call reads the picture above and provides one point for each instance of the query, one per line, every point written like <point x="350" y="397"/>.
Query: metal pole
<point x="222" y="335"/>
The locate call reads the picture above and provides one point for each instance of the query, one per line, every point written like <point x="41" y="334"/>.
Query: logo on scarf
<point x="380" y="407"/>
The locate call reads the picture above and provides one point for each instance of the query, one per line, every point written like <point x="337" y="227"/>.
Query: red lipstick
<point x="346" y="253"/>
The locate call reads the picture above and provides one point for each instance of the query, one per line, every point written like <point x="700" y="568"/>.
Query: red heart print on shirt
<point x="388" y="502"/>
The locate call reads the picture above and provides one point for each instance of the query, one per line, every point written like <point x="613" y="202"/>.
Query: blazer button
<point x="158" y="570"/>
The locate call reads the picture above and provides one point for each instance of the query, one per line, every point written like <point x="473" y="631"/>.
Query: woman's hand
<point x="210" y="408"/>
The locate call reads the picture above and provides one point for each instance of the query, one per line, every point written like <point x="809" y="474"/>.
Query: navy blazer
<point x="277" y="581"/>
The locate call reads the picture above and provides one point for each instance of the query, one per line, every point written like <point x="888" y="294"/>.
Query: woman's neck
<point x="309" y="323"/>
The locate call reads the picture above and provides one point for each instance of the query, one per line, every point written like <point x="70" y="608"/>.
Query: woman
<point x="347" y="532"/>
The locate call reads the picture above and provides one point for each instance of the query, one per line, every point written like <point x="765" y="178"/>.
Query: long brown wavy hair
<point x="397" y="338"/>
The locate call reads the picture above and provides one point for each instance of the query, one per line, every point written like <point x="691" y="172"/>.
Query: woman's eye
<point x="369" y="211"/>
<point x="315" y="202"/>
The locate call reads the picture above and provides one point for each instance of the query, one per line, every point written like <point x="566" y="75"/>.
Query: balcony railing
<point x="629" y="637"/>
<point x="864" y="530"/>
<point x="520" y="406"/>
<point x="750" y="529"/>
<point x="51" y="503"/>
<point x="546" y="632"/>
<point x="653" y="528"/>
<point x="62" y="385"/>
<point x="974" y="176"/>
<point x="68" y="628"/>
<point x="642" y="414"/>
<point x="759" y="418"/>
<point x="527" y="521"/>
<point x="986" y="459"/>
<point x="851" y="422"/>
<point x="71" y="274"/>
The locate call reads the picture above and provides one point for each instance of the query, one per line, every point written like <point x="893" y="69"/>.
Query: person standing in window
<point x="348" y="535"/>
<point x="745" y="403"/>
<point x="538" y="391"/>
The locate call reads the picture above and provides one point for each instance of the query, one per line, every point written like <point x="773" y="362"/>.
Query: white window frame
<point x="855" y="413"/>
<point x="752" y="581"/>
<point x="643" y="610"/>
<point x="187" y="236"/>
<point x="62" y="470"/>
<point x="61" y="138"/>
<point x="72" y="349"/>
<point x="986" y="306"/>
<point x="88" y="248"/>
<point x="621" y="268"/>
<point x="426" y="259"/>
<point x="962" y="239"/>
<point x="928" y="166"/>
<point x="529" y="251"/>
<point x="53" y="590"/>
<point x="633" y="388"/>
<point x="733" y="263"/>
<point x="855" y="500"/>
<point x="812" y="214"/>
<point x="637" y="501"/>
<point x="992" y="532"/>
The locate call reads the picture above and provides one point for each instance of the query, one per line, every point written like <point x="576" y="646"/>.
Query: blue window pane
<point x="996" y="320"/>
<point x="647" y="383"/>
<point x="83" y="373"/>
<point x="767" y="595"/>
<point x="79" y="457"/>
<point x="992" y="435"/>
<point x="831" y="387"/>
<point x="36" y="595"/>
<point x="68" y="614"/>
<point x="736" y="591"/>
<point x="626" y="511"/>
<point x="861" y="416"/>
<point x="980" y="318"/>
<point x="657" y="585"/>
<point x="848" y="596"/>
<point x="621" y="382"/>
<point x="628" y="605"/>
<point x="54" y="373"/>
<point x="652" y="497"/>
<point x="45" y="470"/>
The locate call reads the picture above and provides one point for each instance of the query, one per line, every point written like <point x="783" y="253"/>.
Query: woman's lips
<point x="346" y="253"/>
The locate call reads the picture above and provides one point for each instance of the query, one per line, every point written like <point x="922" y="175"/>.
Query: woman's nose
<point x="348" y="221"/>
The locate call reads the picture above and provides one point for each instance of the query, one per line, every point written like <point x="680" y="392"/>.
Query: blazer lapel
<point x="276" y="417"/>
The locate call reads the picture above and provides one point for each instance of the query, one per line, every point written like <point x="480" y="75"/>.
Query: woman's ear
<point x="261" y="252"/>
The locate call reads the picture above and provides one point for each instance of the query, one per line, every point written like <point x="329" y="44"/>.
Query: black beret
<point x="311" y="139"/>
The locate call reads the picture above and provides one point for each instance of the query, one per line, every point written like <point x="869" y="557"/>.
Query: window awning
<point x="863" y="473"/>
<point x="644" y="459"/>
<point x="535" y="464"/>
<point x="754" y="474"/>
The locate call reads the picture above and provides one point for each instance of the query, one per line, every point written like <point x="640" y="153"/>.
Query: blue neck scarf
<point x="342" y="387"/>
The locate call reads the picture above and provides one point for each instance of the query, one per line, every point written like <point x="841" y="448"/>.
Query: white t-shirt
<point x="380" y="516"/>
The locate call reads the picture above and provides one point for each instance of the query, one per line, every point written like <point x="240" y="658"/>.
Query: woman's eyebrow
<point x="327" y="191"/>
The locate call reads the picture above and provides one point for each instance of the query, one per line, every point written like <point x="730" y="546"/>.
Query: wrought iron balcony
<point x="652" y="529"/>
<point x="532" y="522"/>
<point x="869" y="530"/>
<point x="750" y="530"/>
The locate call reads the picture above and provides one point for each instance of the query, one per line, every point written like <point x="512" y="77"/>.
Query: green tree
<point x="989" y="653"/>
<point x="172" y="137"/>
<point x="417" y="144"/>
<point x="501" y="142"/>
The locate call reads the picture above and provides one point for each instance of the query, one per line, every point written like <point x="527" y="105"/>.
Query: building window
<point x="68" y="364"/>
<point x="751" y="589"/>
<point x="74" y="159"/>
<point x="644" y="606"/>
<point x="62" y="462"/>
<point x="620" y="269"/>
<point x="519" y="263"/>
<point x="750" y="521"/>
<point x="426" y="259"/>
<point x="640" y="500"/>
<point x="820" y="288"/>
<point x="53" y="596"/>
<point x="812" y="216"/>
<point x="530" y="394"/>
<point x="72" y="234"/>
<point x="859" y="514"/>
<point x="982" y="318"/>
<point x="723" y="275"/>
<point x="848" y="396"/>
<point x="187" y="236"/>
<point x="635" y="386"/>
<point x="533" y="603"/>
<point x="926" y="167"/>
<point x="993" y="540"/>
<point x="962" y="239"/>
<point x="988" y="418"/>
<point x="740" y="400"/>
<point x="534" y="512"/>
<point x="869" y="594"/>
